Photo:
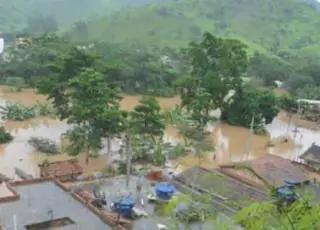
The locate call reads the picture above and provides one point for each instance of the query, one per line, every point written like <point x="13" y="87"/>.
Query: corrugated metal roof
<point x="312" y="154"/>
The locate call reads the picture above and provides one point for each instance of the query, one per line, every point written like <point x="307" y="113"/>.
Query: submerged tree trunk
<point x="128" y="156"/>
<point x="109" y="143"/>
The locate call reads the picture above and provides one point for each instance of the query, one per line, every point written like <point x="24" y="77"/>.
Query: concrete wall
<point x="313" y="165"/>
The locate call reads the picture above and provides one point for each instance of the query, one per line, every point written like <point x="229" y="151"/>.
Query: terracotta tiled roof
<point x="60" y="168"/>
<point x="276" y="169"/>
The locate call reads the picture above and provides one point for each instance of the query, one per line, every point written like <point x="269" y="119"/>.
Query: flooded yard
<point x="231" y="143"/>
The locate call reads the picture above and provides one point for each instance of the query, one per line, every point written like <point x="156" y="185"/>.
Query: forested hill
<point x="14" y="14"/>
<point x="266" y="25"/>
<point x="284" y="28"/>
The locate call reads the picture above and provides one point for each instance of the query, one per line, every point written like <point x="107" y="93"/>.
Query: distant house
<point x="62" y="170"/>
<point x="311" y="156"/>
<point x="278" y="83"/>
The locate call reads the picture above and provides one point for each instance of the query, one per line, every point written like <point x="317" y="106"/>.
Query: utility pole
<point x="295" y="132"/>
<point x="289" y="123"/>
<point x="249" y="141"/>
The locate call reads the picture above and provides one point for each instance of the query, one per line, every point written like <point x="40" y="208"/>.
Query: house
<point x="311" y="156"/>
<point x="278" y="83"/>
<point x="63" y="170"/>
<point x="268" y="170"/>
<point x="45" y="204"/>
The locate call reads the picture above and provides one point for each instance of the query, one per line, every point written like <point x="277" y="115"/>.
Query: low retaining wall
<point x="93" y="209"/>
<point x="84" y="178"/>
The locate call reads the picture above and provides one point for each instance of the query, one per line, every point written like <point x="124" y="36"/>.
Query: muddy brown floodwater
<point x="231" y="142"/>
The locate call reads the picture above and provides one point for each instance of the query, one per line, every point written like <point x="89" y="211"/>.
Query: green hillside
<point x="266" y="25"/>
<point x="12" y="14"/>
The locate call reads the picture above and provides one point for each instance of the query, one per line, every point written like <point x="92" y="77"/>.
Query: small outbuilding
<point x="311" y="156"/>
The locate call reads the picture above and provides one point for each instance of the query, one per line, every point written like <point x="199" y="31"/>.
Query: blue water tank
<point x="286" y="193"/>
<point x="124" y="206"/>
<point x="164" y="190"/>
<point x="291" y="183"/>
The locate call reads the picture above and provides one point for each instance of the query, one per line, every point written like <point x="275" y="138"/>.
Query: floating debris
<point x="22" y="174"/>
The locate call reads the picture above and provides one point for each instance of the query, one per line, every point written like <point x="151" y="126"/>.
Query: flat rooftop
<point x="45" y="201"/>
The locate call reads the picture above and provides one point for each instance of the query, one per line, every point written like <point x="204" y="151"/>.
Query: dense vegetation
<point x="22" y="112"/>
<point x="5" y="136"/>
<point x="281" y="37"/>
<point x="269" y="26"/>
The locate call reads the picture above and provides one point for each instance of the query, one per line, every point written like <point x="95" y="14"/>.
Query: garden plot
<point x="224" y="189"/>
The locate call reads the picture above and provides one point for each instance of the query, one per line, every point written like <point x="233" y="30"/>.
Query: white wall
<point x="1" y="45"/>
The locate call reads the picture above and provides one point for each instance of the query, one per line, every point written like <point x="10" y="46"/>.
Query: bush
<point x="5" y="136"/>
<point x="20" y="112"/>
<point x="17" y="112"/>
<point x="15" y="82"/>
<point x="288" y="103"/>
<point x="44" y="109"/>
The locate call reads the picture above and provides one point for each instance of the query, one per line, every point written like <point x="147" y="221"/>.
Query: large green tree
<point x="95" y="104"/>
<point x="217" y="66"/>
<point x="64" y="68"/>
<point x="248" y="103"/>
<point x="147" y="117"/>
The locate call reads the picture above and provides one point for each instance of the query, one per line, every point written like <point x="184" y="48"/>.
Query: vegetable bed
<point x="223" y="188"/>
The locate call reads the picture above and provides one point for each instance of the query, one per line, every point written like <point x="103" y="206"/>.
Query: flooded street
<point x="231" y="142"/>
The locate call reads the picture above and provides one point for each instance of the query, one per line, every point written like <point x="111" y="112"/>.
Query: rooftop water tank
<point x="291" y="183"/>
<point x="286" y="193"/>
<point x="164" y="190"/>
<point x="124" y="206"/>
